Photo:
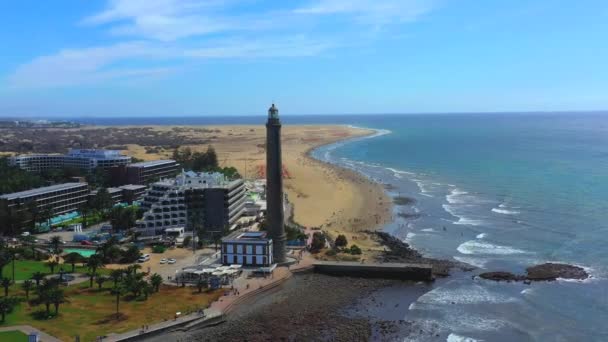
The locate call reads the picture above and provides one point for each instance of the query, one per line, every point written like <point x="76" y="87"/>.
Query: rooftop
<point x="132" y="187"/>
<point x="39" y="191"/>
<point x="152" y="163"/>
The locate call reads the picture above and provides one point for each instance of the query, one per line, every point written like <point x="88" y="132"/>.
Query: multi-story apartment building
<point x="206" y="201"/>
<point x="150" y="171"/>
<point x="124" y="194"/>
<point x="83" y="159"/>
<point x="59" y="199"/>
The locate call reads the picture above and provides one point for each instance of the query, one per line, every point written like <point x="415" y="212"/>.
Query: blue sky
<point x="233" y="57"/>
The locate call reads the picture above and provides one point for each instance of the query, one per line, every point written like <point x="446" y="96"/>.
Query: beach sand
<point x="339" y="201"/>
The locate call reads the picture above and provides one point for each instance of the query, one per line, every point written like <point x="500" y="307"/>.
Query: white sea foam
<point x="477" y="262"/>
<point x="505" y="211"/>
<point x="476" y="247"/>
<point x="458" y="338"/>
<point x="526" y="291"/>
<point x="409" y="237"/>
<point x="462" y="220"/>
<point x="481" y="236"/>
<point x="428" y="230"/>
<point x="453" y="196"/>
<point x="474" y="294"/>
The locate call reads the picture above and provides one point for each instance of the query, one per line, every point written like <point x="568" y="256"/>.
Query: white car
<point x="163" y="261"/>
<point x="171" y="261"/>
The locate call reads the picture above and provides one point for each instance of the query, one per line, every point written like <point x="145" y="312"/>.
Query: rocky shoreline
<point x="399" y="251"/>
<point x="542" y="272"/>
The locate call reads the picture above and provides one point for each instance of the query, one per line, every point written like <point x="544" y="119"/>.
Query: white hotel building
<point x="83" y="159"/>
<point x="210" y="198"/>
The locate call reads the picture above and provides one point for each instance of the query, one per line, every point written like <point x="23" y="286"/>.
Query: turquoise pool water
<point x="84" y="252"/>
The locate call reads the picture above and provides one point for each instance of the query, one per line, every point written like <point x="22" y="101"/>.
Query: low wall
<point x="417" y="272"/>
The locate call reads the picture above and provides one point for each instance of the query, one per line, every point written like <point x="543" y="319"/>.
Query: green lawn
<point x="90" y="311"/>
<point x="12" y="336"/>
<point x="25" y="268"/>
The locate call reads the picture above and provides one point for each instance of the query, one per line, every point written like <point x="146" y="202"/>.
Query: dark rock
<point x="501" y="276"/>
<point x="543" y="272"/>
<point x="551" y="271"/>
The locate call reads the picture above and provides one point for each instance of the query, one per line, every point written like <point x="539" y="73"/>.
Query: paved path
<point x="182" y="320"/>
<point x="26" y="329"/>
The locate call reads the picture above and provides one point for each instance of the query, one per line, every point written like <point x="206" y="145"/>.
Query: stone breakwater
<point x="543" y="272"/>
<point x="398" y="251"/>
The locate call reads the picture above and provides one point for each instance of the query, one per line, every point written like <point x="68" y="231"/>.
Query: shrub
<point x="355" y="250"/>
<point x="341" y="241"/>
<point x="318" y="242"/>
<point x="331" y="252"/>
<point x="159" y="249"/>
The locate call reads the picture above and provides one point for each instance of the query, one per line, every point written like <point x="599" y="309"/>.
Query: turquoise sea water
<point x="499" y="191"/>
<point x="502" y="192"/>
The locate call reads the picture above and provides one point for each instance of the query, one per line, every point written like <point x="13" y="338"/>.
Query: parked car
<point x="86" y="243"/>
<point x="171" y="261"/>
<point x="163" y="261"/>
<point x="144" y="258"/>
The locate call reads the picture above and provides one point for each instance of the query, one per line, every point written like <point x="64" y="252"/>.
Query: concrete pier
<point x="416" y="272"/>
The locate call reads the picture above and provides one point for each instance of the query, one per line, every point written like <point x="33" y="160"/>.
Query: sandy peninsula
<point x="339" y="201"/>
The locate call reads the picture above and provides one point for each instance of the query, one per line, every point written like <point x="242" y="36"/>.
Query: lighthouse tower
<point x="274" y="185"/>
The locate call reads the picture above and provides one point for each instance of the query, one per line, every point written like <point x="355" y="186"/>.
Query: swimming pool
<point x="84" y="252"/>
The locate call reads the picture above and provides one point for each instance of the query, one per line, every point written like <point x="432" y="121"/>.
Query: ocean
<point x="498" y="191"/>
<point x="501" y="192"/>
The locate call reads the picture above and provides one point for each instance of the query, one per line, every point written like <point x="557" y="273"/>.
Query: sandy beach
<point x="334" y="199"/>
<point x="339" y="201"/>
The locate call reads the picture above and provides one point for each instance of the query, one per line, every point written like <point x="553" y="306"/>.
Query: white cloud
<point x="164" y="20"/>
<point x="97" y="64"/>
<point x="164" y="34"/>
<point x="83" y="66"/>
<point x="376" y="12"/>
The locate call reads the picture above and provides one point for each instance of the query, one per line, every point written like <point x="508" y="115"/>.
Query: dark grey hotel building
<point x="60" y="198"/>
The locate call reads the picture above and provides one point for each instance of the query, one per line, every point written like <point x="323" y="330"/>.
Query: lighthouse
<point x="274" y="185"/>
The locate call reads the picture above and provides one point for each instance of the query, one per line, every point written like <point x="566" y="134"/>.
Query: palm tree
<point x="156" y="281"/>
<point x="55" y="242"/>
<point x="93" y="264"/>
<point x="57" y="296"/>
<point x="116" y="275"/>
<point x="5" y="256"/>
<point x="106" y="246"/>
<point x="6" y="305"/>
<point x="27" y="286"/>
<point x="200" y="284"/>
<point x="118" y="291"/>
<point x="38" y="276"/>
<point x="72" y="259"/>
<point x="146" y="288"/>
<point x="100" y="280"/>
<point x="84" y="210"/>
<point x="133" y="268"/>
<point x="6" y="283"/>
<point x="52" y="265"/>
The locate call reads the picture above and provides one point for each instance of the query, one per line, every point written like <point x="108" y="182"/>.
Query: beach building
<point x="59" y="199"/>
<point x="132" y="192"/>
<point x="150" y="171"/>
<point x="124" y="194"/>
<point x="247" y="249"/>
<point x="82" y="159"/>
<point x="207" y="201"/>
